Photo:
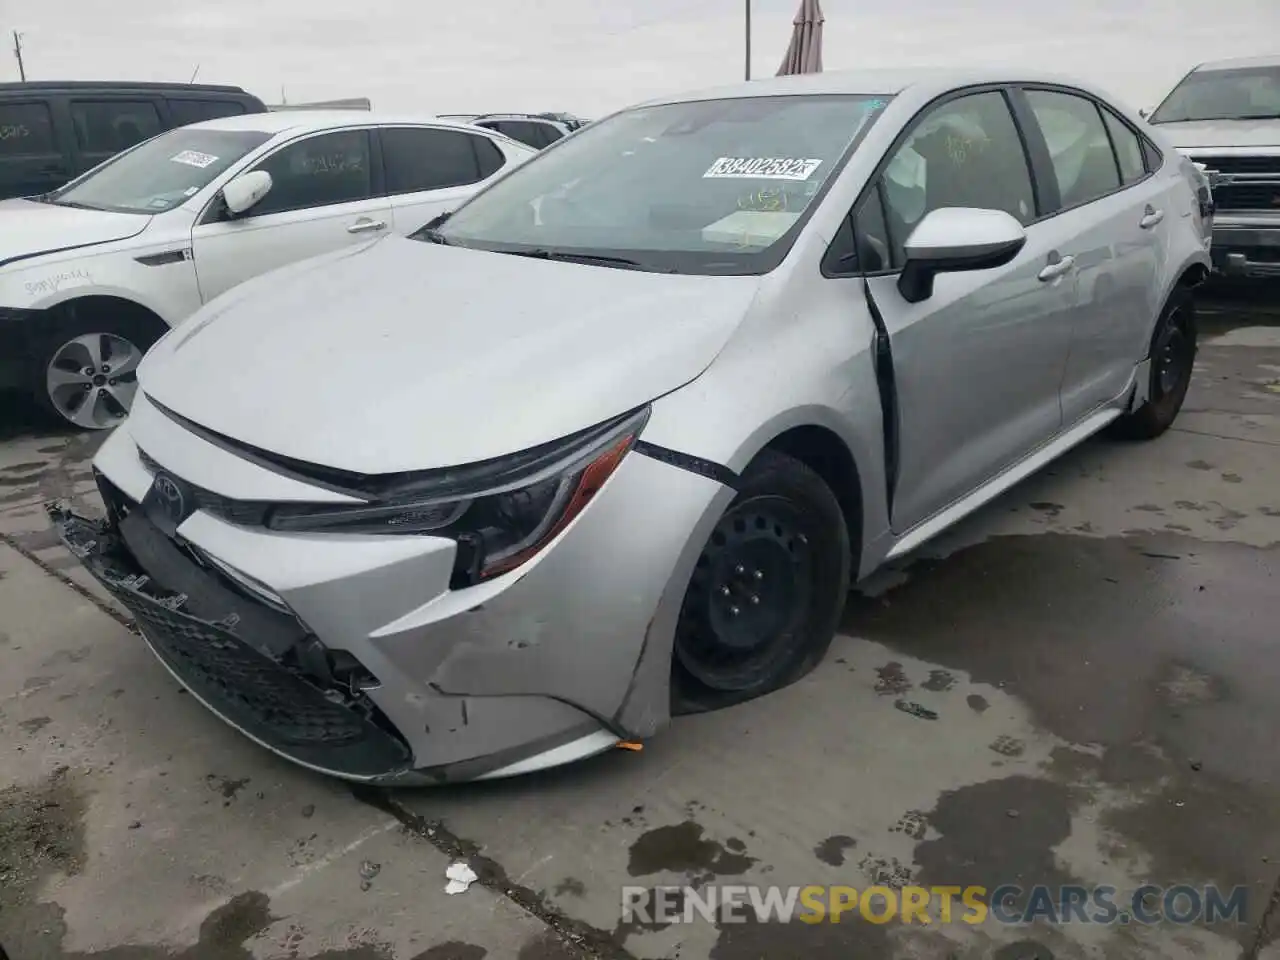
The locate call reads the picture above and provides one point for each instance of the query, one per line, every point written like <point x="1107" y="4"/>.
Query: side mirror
<point x="956" y="239"/>
<point x="246" y="190"/>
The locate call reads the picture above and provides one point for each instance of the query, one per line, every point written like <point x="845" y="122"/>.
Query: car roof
<point x="886" y="82"/>
<point x="1236" y="63"/>
<point x="514" y="116"/>
<point x="305" y="121"/>
<point x="28" y="86"/>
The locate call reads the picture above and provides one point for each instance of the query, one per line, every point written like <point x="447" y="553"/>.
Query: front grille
<point x="1247" y="196"/>
<point x="1241" y="164"/>
<point x="1257" y="185"/>
<point x="244" y="513"/>
<point x="277" y="705"/>
<point x="243" y="680"/>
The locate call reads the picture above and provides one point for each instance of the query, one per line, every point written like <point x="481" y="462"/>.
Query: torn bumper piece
<point x="244" y="661"/>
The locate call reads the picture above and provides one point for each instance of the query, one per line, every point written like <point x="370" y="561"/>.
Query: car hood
<point x="1222" y="133"/>
<point x="405" y="355"/>
<point x="29" y="229"/>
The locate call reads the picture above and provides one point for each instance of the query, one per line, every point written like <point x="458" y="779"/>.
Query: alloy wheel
<point x="91" y="380"/>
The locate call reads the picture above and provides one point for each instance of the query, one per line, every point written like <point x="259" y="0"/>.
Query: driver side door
<point x="978" y="364"/>
<point x="325" y="194"/>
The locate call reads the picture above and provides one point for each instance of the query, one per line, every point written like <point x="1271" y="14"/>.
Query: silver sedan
<point x="611" y="442"/>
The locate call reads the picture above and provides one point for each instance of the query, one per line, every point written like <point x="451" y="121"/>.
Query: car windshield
<point x="161" y="173"/>
<point x="711" y="187"/>
<point x="1239" y="94"/>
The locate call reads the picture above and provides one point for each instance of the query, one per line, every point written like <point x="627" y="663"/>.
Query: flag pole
<point x="748" y="63"/>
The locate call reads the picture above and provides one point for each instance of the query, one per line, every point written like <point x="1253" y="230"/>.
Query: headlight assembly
<point x="500" y="513"/>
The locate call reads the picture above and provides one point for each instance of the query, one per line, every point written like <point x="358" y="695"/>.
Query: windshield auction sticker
<point x="194" y="159"/>
<point x="762" y="168"/>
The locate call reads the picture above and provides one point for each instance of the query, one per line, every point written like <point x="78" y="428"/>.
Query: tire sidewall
<point x="775" y="475"/>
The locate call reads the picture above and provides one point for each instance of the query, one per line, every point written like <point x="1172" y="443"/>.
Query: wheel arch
<point x="80" y="304"/>
<point x="823" y="451"/>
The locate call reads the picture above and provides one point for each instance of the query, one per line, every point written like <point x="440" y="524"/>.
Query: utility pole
<point x="748" y="11"/>
<point x="17" y="52"/>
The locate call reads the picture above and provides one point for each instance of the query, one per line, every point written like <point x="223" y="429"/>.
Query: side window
<point x="317" y="172"/>
<point x="551" y="133"/>
<point x="522" y="130"/>
<point x="1128" y="148"/>
<point x="109" y="126"/>
<point x="26" y="130"/>
<point x="184" y="112"/>
<point x="964" y="153"/>
<point x="1083" y="162"/>
<point x="419" y="159"/>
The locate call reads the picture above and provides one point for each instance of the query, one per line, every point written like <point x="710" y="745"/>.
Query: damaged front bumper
<point x="245" y="662"/>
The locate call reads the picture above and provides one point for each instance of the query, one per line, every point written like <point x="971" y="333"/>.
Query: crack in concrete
<point x="13" y="544"/>
<point x="1219" y="436"/>
<point x="581" y="940"/>
<point x="1264" y="934"/>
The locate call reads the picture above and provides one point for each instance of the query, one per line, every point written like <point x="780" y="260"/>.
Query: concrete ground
<point x="1076" y="686"/>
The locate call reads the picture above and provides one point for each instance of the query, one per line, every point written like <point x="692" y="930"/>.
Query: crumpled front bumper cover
<point x="223" y="650"/>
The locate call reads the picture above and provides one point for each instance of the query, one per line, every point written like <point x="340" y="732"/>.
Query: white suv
<point x="95" y="272"/>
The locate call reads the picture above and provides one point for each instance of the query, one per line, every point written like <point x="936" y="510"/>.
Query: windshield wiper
<point x="567" y="257"/>
<point x="430" y="231"/>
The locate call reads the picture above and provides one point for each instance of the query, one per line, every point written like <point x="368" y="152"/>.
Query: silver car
<point x="612" y="441"/>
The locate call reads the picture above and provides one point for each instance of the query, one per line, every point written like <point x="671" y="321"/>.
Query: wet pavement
<point x="1074" y="687"/>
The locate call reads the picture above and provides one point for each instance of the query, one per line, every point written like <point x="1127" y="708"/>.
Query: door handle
<point x="367" y="226"/>
<point x="1150" y="217"/>
<point x="1056" y="269"/>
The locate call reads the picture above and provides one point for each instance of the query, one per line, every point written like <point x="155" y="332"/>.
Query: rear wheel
<point x="767" y="592"/>
<point x="1173" y="354"/>
<point x="85" y="372"/>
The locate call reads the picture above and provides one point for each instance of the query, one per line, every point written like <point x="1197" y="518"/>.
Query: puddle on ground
<point x="1157" y="654"/>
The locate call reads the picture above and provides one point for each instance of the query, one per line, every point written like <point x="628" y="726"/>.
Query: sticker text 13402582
<point x="193" y="158"/>
<point x="763" y="168"/>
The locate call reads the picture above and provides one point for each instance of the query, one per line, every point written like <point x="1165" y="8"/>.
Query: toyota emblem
<point x="170" y="496"/>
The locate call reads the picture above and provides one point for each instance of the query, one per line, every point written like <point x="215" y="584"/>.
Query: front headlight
<point x="500" y="513"/>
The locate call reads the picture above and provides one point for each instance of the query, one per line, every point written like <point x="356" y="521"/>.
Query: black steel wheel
<point x="768" y="589"/>
<point x="1173" y="357"/>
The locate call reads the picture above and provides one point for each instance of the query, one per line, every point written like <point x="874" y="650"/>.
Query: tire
<point x="1173" y="354"/>
<point x="784" y="542"/>
<point x="65" y="353"/>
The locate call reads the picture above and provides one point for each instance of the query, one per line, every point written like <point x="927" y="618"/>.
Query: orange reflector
<point x="629" y="745"/>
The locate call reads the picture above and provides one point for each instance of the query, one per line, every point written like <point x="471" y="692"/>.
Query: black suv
<point x="51" y="131"/>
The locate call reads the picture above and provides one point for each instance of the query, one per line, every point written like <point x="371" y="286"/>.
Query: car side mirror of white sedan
<point x="956" y="239"/>
<point x="246" y="190"/>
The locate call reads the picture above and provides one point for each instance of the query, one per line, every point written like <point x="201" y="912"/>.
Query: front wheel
<point x="766" y="595"/>
<point x="1173" y="355"/>
<point x="86" y="369"/>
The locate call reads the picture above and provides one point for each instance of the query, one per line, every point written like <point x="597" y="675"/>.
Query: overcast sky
<point x="592" y="56"/>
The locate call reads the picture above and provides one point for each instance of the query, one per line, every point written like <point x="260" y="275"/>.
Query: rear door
<point x="104" y="126"/>
<point x="1112" y="208"/>
<point x="326" y="194"/>
<point x="431" y="170"/>
<point x="31" y="159"/>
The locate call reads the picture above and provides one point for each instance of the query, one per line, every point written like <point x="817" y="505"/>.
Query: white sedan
<point x="95" y="272"/>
